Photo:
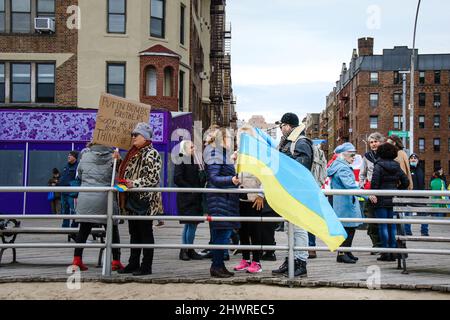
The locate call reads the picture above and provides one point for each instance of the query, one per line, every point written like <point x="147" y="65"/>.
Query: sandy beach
<point x="142" y="291"/>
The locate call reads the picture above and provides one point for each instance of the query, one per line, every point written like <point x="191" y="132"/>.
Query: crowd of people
<point x="386" y="166"/>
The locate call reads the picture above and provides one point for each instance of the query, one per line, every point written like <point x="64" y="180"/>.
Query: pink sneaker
<point x="242" y="266"/>
<point x="255" y="267"/>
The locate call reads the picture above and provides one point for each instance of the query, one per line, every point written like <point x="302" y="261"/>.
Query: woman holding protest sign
<point x="140" y="169"/>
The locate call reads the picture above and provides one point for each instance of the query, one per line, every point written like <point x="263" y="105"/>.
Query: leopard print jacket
<point x="144" y="169"/>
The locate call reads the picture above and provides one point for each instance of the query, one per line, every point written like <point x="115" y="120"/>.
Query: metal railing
<point x="110" y="218"/>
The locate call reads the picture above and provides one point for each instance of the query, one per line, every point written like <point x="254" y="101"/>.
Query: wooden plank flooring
<point x="425" y="271"/>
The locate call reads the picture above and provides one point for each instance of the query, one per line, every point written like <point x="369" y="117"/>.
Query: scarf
<point x="123" y="167"/>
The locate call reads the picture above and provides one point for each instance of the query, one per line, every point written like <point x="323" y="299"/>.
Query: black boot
<point x="218" y="273"/>
<point x="352" y="256"/>
<point x="224" y="270"/>
<point x="269" y="256"/>
<point x="130" y="268"/>
<point x="194" y="255"/>
<point x="384" y="257"/>
<point x="281" y="269"/>
<point x="300" y="268"/>
<point x="144" y="270"/>
<point x="184" y="255"/>
<point x="344" y="258"/>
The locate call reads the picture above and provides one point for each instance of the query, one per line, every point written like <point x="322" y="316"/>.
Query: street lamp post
<point x="411" y="99"/>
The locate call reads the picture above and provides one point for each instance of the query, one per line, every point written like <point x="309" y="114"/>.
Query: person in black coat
<point x="418" y="178"/>
<point x="387" y="175"/>
<point x="189" y="174"/>
<point x="221" y="174"/>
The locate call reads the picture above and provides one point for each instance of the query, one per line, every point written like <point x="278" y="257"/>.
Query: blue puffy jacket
<point x="220" y="174"/>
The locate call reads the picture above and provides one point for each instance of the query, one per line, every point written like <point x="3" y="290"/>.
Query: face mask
<point x="413" y="164"/>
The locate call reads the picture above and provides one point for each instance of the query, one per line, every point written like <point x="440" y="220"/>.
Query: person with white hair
<point x="343" y="177"/>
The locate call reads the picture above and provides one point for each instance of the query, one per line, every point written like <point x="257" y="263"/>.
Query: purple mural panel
<point x="59" y="125"/>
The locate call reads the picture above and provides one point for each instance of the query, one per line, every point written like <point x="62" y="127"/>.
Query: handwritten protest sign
<point x="116" y="119"/>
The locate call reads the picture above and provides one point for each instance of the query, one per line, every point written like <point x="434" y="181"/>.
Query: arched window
<point x="151" y="78"/>
<point x="168" y="82"/>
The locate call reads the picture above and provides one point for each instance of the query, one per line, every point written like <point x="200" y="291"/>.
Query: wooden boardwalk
<point x="427" y="272"/>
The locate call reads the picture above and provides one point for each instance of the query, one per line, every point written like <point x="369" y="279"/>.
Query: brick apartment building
<point x="155" y="51"/>
<point x="369" y="99"/>
<point x="313" y="125"/>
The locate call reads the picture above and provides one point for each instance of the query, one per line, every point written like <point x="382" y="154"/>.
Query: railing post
<point x="109" y="232"/>
<point x="291" y="251"/>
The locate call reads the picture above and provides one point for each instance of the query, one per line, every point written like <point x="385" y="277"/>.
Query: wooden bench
<point x="10" y="228"/>
<point x="416" y="205"/>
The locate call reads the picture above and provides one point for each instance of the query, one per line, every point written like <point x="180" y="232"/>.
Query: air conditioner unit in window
<point x="437" y="104"/>
<point x="44" y="25"/>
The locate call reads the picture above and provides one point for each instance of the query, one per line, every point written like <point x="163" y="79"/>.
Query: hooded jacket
<point x="387" y="175"/>
<point x="342" y="177"/>
<point x="95" y="170"/>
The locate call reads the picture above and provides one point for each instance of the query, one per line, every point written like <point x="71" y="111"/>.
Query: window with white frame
<point x="374" y="78"/>
<point x="373" y="100"/>
<point x="397" y="99"/>
<point x="421" y="122"/>
<point x="374" y="122"/>
<point x="398" y="122"/>
<point x="151" y="80"/>
<point x="437" y="144"/>
<point x="421" y="144"/>
<point x="436" y="121"/>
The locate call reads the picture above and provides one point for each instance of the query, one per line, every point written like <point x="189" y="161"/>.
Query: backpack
<point x="319" y="162"/>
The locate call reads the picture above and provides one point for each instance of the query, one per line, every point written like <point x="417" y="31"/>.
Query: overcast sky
<point x="287" y="54"/>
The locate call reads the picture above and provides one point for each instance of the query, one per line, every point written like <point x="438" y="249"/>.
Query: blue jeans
<point x="423" y="227"/>
<point x="300" y="240"/>
<point x="311" y="240"/>
<point x="68" y="207"/>
<point x="220" y="236"/>
<point x="387" y="231"/>
<point x="188" y="235"/>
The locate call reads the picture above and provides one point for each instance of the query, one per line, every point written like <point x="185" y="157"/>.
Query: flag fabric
<point x="265" y="137"/>
<point x="121" y="187"/>
<point x="290" y="189"/>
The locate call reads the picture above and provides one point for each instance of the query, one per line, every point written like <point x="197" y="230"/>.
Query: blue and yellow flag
<point x="290" y="189"/>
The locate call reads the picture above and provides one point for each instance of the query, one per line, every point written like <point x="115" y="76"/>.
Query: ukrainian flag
<point x="290" y="189"/>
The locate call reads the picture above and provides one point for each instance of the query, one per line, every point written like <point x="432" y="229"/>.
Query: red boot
<point x="116" y="265"/>
<point x="78" y="262"/>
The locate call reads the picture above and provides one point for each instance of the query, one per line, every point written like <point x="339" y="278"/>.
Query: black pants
<point x="250" y="232"/>
<point x="268" y="228"/>
<point x="85" y="231"/>
<point x="141" y="232"/>
<point x="350" y="235"/>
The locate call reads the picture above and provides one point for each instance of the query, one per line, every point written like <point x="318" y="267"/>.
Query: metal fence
<point x="110" y="218"/>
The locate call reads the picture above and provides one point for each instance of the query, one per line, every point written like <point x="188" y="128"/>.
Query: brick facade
<point x="64" y="40"/>
<point x="160" y="58"/>
<point x="354" y="111"/>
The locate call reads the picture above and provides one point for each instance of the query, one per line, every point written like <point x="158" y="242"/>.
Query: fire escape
<point x="221" y="90"/>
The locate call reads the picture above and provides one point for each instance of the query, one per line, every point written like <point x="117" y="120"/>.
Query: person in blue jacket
<point x="342" y="177"/>
<point x="68" y="178"/>
<point x="221" y="174"/>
